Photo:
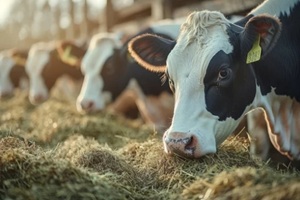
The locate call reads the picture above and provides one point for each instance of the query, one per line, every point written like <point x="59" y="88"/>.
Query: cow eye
<point x="224" y="74"/>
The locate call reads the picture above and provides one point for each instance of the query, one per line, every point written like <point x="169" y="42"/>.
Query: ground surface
<point x="53" y="152"/>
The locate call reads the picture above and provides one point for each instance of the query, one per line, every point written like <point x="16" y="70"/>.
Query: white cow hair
<point x="96" y="39"/>
<point x="198" y="23"/>
<point x="103" y="41"/>
<point x="206" y="32"/>
<point x="35" y="50"/>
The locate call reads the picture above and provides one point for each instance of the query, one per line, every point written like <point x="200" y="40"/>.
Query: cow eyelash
<point x="164" y="78"/>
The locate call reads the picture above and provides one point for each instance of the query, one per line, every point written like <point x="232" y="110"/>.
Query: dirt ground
<point x="52" y="152"/>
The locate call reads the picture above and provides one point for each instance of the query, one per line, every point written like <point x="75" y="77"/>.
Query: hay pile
<point x="52" y="152"/>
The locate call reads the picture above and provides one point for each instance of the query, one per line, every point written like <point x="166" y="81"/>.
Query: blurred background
<point x="24" y="22"/>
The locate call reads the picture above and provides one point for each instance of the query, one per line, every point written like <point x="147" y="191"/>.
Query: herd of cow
<point x="217" y="72"/>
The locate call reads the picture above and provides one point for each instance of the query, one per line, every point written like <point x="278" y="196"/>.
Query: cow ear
<point x="66" y="53"/>
<point x="259" y="37"/>
<point x="151" y="51"/>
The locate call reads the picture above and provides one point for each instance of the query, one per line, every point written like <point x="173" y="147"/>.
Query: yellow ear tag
<point x="67" y="58"/>
<point x="19" y="60"/>
<point x="255" y="53"/>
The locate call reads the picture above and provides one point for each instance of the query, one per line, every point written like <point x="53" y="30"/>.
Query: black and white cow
<point x="13" y="75"/>
<point x="109" y="71"/>
<point x="219" y="71"/>
<point x="47" y="62"/>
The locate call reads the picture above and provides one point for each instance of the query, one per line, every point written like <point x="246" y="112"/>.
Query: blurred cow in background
<point x="12" y="75"/>
<point x="47" y="62"/>
<point x="111" y="75"/>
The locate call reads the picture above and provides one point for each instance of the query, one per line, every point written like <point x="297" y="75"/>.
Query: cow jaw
<point x="195" y="132"/>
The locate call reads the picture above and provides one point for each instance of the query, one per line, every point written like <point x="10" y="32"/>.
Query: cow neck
<point x="123" y="62"/>
<point x="17" y="73"/>
<point x="280" y="69"/>
<point x="66" y="69"/>
<point x="278" y="77"/>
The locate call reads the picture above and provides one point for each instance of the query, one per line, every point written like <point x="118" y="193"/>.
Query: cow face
<point x="207" y="70"/>
<point x="47" y="62"/>
<point x="12" y="71"/>
<point x="38" y="58"/>
<point x="99" y="66"/>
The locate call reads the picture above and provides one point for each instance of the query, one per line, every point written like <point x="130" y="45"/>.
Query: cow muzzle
<point x="38" y="99"/>
<point x="186" y="145"/>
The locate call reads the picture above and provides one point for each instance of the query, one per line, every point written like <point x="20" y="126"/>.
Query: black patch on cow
<point x="228" y="97"/>
<point x="56" y="68"/>
<point x="119" y="69"/>
<point x="18" y="71"/>
<point x="16" y="74"/>
<point x="280" y="68"/>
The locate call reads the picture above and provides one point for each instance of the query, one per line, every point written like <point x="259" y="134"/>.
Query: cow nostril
<point x="90" y="105"/>
<point x="190" y="143"/>
<point x="38" y="98"/>
<point x="181" y="144"/>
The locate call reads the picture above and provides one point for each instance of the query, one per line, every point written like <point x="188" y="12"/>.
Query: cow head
<point x="46" y="63"/>
<point x="207" y="70"/>
<point x="101" y="69"/>
<point x="12" y="64"/>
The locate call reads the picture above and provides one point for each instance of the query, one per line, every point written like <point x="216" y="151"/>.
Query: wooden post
<point x="109" y="16"/>
<point x="84" y="23"/>
<point x="168" y="9"/>
<point x="161" y="9"/>
<point x="157" y="10"/>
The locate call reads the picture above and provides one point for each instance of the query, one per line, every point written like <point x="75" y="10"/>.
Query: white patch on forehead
<point x="39" y="55"/>
<point x="275" y="7"/>
<point x="202" y="36"/>
<point x="100" y="49"/>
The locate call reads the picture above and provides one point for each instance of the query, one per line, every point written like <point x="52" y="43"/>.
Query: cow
<point x="49" y="61"/>
<point x="219" y="71"/>
<point x="112" y="77"/>
<point x="13" y="75"/>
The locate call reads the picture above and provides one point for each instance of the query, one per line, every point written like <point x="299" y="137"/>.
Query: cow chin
<point x="37" y="99"/>
<point x="89" y="107"/>
<point x="189" y="145"/>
